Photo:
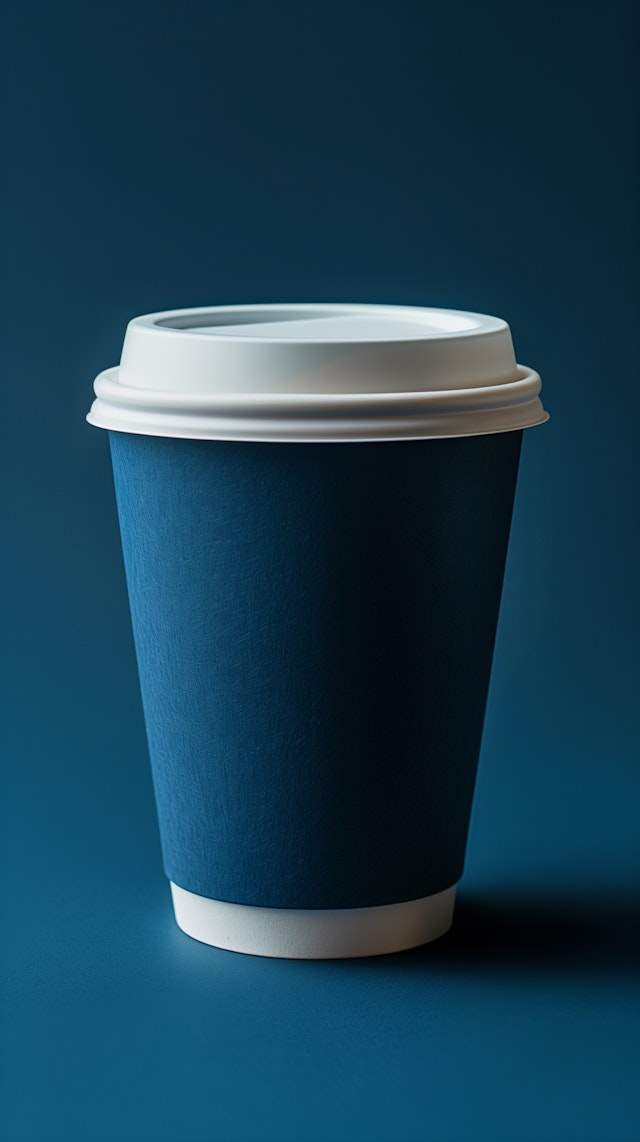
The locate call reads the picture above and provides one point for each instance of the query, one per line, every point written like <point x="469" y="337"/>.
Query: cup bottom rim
<point x="296" y="933"/>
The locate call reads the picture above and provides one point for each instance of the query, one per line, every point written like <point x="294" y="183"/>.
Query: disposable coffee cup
<point x="314" y="504"/>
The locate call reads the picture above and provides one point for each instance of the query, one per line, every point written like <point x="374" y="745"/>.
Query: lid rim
<point x="110" y="388"/>
<point x="324" y="416"/>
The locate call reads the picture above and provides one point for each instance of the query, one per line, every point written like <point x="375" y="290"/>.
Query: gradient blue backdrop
<point x="472" y="155"/>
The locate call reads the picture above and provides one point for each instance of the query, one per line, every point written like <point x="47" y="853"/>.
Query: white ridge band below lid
<point x="321" y="372"/>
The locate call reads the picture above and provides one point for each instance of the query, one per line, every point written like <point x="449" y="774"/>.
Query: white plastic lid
<point x="317" y="373"/>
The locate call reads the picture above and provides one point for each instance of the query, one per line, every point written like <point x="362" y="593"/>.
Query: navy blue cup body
<point x="314" y="627"/>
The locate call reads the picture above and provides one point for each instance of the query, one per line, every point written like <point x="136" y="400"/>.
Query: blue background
<point x="472" y="155"/>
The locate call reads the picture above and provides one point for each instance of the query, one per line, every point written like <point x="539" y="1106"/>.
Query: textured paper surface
<point x="314" y="627"/>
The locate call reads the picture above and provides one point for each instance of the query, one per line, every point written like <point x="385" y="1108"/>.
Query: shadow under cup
<point x="314" y="626"/>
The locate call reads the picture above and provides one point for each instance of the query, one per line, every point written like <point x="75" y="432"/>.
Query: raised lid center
<point x="336" y="326"/>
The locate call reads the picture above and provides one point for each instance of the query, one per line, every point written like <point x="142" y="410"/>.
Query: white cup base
<point x="313" y="934"/>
